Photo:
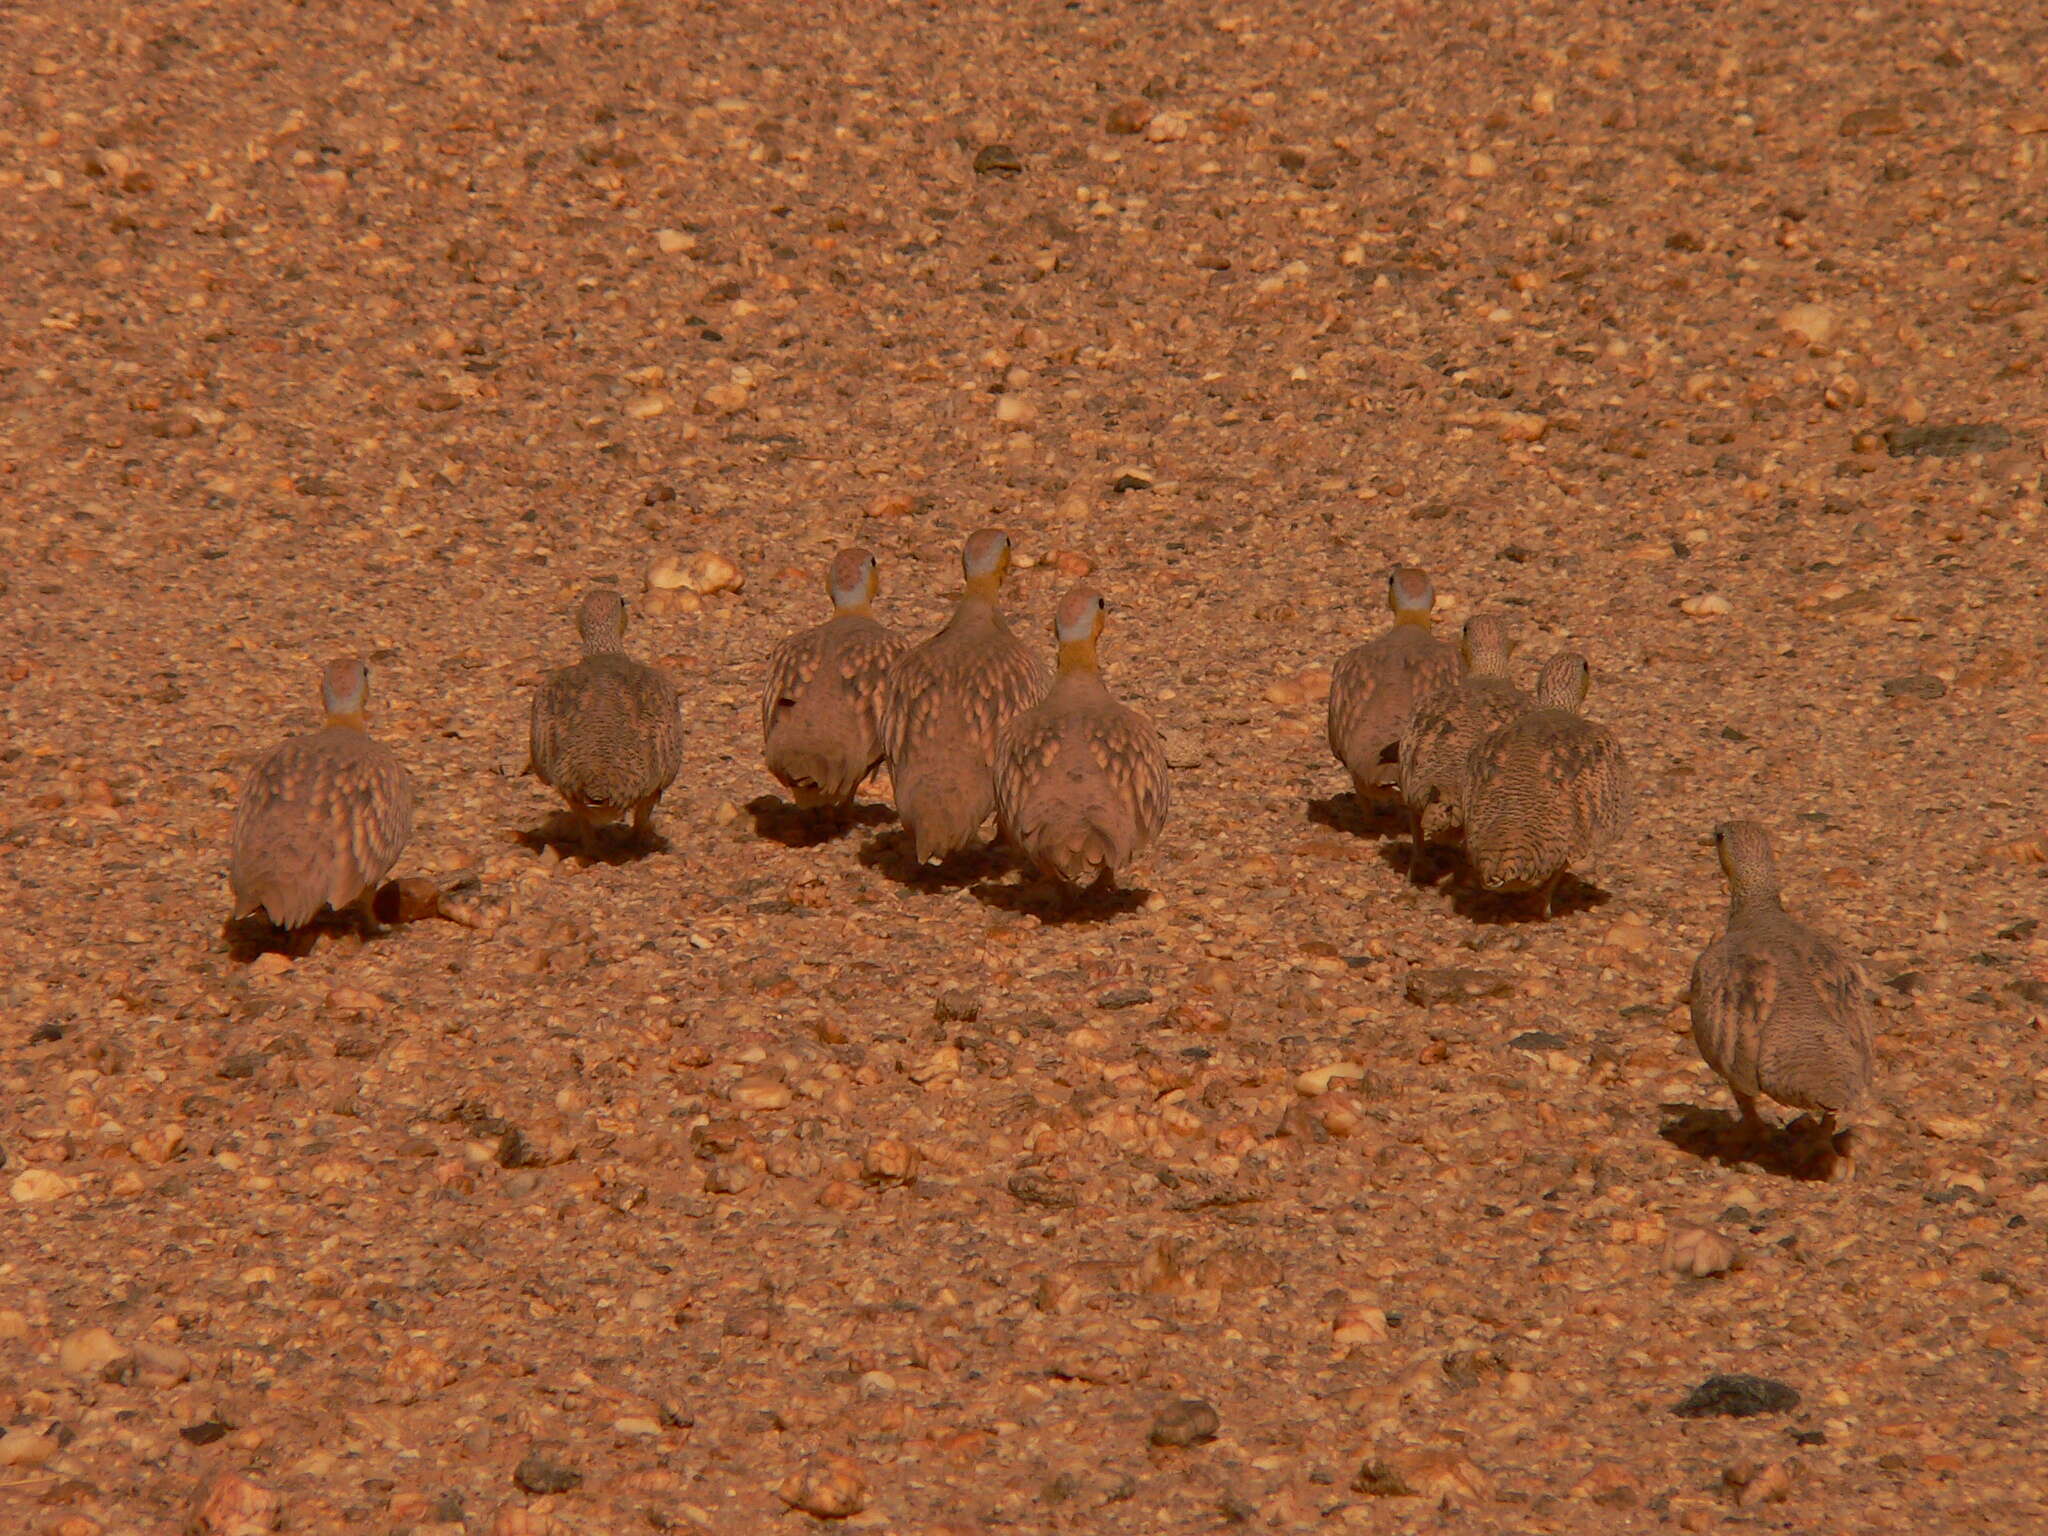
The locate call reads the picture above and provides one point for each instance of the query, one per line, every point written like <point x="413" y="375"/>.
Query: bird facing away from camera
<point x="1546" y="791"/>
<point x="607" y="732"/>
<point x="948" y="700"/>
<point x="1779" y="1009"/>
<point x="1446" y="727"/>
<point x="322" y="817"/>
<point x="1081" y="786"/>
<point x="821" y="706"/>
<point x="1375" y="687"/>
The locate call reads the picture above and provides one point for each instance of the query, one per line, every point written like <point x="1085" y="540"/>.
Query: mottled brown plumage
<point x="1548" y="790"/>
<point x="1779" y="1009"/>
<point x="1080" y="778"/>
<point x="607" y="733"/>
<point x="1375" y="687"/>
<point x="323" y="817"/>
<point x="948" y="700"/>
<point x="1446" y="726"/>
<point x="821" y="706"/>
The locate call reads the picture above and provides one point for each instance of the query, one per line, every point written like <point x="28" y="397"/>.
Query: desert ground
<point x="754" y="1182"/>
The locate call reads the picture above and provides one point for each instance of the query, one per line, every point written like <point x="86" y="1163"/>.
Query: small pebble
<point x="829" y="1487"/>
<point x="1737" y="1396"/>
<point x="1190" y="1421"/>
<point x="540" y="1472"/>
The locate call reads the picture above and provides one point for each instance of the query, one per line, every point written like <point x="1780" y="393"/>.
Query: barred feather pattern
<point x="1780" y="1009"/>
<point x="1441" y="737"/>
<point x="607" y="735"/>
<point x="822" y="706"/>
<point x="1545" y="792"/>
<point x="1375" y="689"/>
<point x="1081" y="783"/>
<point x="947" y="701"/>
<point x="321" y="821"/>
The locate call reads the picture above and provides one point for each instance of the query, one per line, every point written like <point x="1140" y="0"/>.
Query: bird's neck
<point x="1078" y="656"/>
<point x="1411" y="616"/>
<point x="1757" y="898"/>
<point x="345" y="719"/>
<point x="855" y="608"/>
<point x="983" y="589"/>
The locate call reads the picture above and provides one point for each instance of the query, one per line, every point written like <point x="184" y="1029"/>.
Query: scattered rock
<point x="1812" y="325"/>
<point x="998" y="160"/>
<point x="1033" y="1186"/>
<point x="1948" y="441"/>
<point x="1445" y="1475"/>
<point x="1123" y="997"/>
<point x="1360" y="1325"/>
<point x="1539" y="1041"/>
<point x="1770" y="1483"/>
<point x="1169" y="128"/>
<point x="1129" y="116"/>
<point x="889" y="1161"/>
<point x="702" y="573"/>
<point x="1920" y="685"/>
<point x="1871" y="121"/>
<point x="1698" y="1252"/>
<point x="539" y="1471"/>
<point x="1737" y="1397"/>
<point x="956" y="1006"/>
<point x="33" y="1185"/>
<point x="829" y="1487"/>
<point x="1381" y="1480"/>
<point x="1455" y="984"/>
<point x="89" y="1352"/>
<point x="233" y="1506"/>
<point x="1189" y="1421"/>
<point x="24" y="1446"/>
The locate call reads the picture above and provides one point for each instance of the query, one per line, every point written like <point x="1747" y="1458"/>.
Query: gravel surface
<point x="752" y="1184"/>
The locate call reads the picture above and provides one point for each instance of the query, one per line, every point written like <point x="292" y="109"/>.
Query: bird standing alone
<point x="1779" y="1009"/>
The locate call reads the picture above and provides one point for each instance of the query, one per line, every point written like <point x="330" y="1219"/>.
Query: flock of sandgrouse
<point x="970" y="726"/>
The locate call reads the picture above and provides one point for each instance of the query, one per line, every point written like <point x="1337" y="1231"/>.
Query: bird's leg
<point x="1838" y="1150"/>
<point x="1550" y="893"/>
<point x="1414" y="843"/>
<point x="365" y="909"/>
<point x="643" y="819"/>
<point x="1752" y="1131"/>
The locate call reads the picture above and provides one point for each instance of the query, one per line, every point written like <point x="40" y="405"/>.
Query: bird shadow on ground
<point x="1056" y="905"/>
<point x="1508" y="908"/>
<point x="1438" y="861"/>
<point x="615" y="844"/>
<point x="1379" y="817"/>
<point x="250" y="938"/>
<point x="893" y="855"/>
<point x="794" y="826"/>
<point x="1717" y="1136"/>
